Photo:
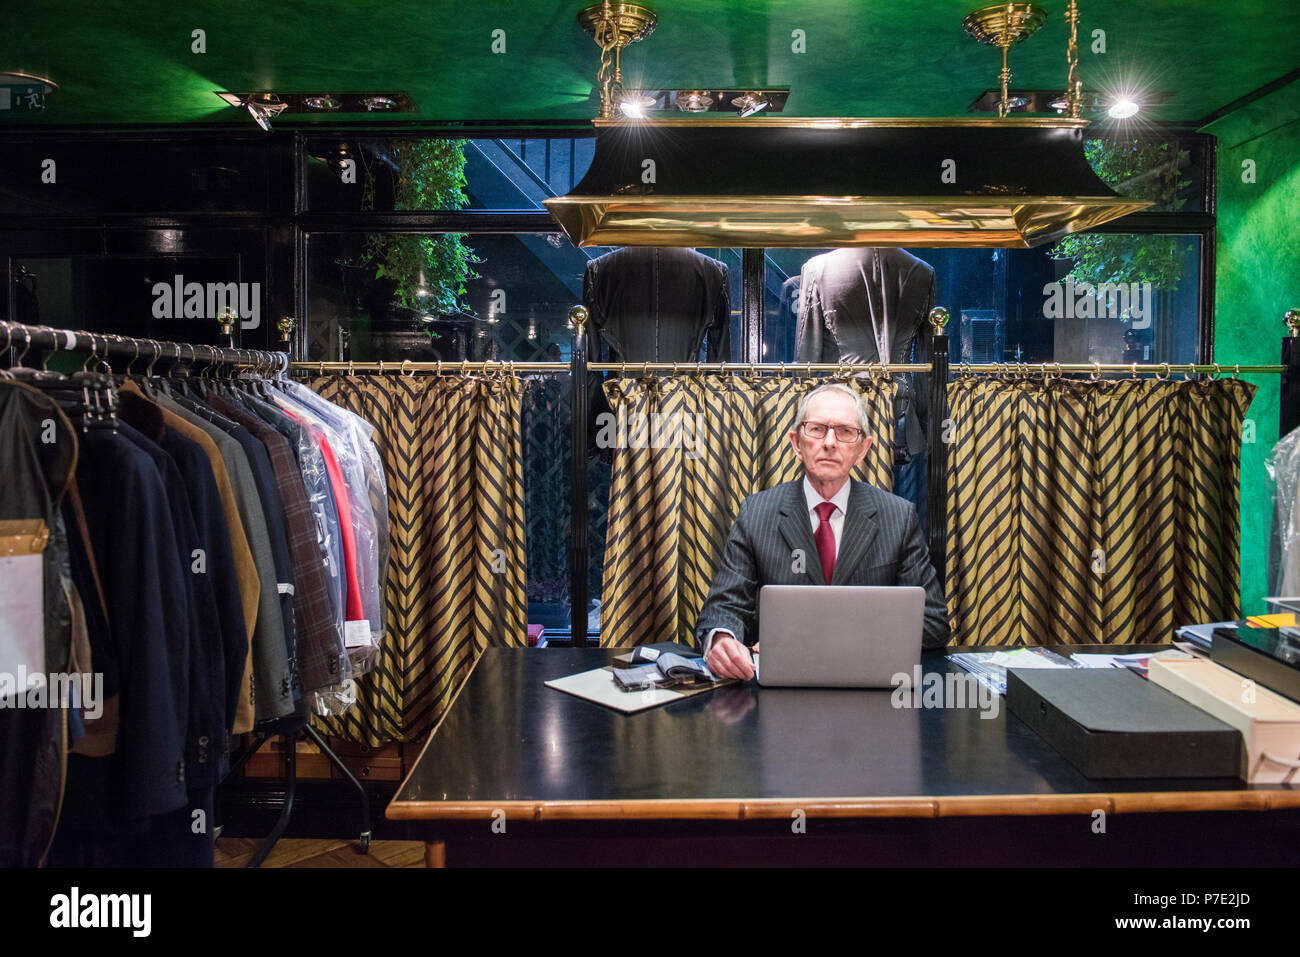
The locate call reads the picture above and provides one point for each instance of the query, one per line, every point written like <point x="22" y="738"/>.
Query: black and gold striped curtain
<point x="456" y="573"/>
<point x="1082" y="511"/>
<point x="689" y="450"/>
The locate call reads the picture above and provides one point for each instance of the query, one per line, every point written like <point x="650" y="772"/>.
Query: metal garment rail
<point x="103" y="345"/>
<point x="580" y="368"/>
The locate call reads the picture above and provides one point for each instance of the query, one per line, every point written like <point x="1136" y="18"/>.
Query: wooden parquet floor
<point x="236" y="852"/>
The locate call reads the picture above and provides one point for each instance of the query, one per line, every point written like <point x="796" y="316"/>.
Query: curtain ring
<point x="438" y="371"/>
<point x="464" y="367"/>
<point x="1236" y="370"/>
<point x="1217" y="372"/>
<point x="1165" y="377"/>
<point x="381" y="366"/>
<point x="1096" y="372"/>
<point x="351" y="367"/>
<point x="1135" y="371"/>
<point x="675" y="364"/>
<point x="405" y="372"/>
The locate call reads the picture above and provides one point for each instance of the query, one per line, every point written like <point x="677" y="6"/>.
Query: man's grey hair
<point x="861" y="406"/>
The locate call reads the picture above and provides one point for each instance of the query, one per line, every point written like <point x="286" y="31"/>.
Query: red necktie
<point x="825" y="539"/>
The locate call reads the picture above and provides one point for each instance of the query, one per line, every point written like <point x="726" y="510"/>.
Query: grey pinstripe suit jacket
<point x="881" y="544"/>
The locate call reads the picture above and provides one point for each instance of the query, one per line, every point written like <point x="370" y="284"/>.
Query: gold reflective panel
<point x="820" y="221"/>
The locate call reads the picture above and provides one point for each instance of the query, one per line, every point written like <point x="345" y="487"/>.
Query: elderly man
<point x="821" y="529"/>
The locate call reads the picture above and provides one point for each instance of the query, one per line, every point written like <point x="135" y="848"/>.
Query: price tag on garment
<point x="22" y="610"/>
<point x="356" y="634"/>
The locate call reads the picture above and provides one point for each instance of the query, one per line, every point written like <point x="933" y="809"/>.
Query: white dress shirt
<point x="812" y="498"/>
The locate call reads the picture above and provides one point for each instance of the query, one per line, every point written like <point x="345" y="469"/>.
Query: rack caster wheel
<point x="363" y="845"/>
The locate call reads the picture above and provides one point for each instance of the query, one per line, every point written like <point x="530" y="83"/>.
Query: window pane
<point x="1166" y="169"/>
<point x="384" y="174"/>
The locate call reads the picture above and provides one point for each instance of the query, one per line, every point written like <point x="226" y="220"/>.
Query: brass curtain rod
<point x="997" y="368"/>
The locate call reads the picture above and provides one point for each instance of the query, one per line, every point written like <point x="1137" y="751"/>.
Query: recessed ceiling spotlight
<point x="322" y="102"/>
<point x="264" y="107"/>
<point x="693" y="101"/>
<point x="635" y="105"/>
<point x="1122" y="109"/>
<point x="378" y="103"/>
<point x="750" y="103"/>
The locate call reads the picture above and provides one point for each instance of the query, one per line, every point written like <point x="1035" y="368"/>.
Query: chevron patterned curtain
<point x="1092" y="512"/>
<point x="689" y="449"/>
<point x="456" y="573"/>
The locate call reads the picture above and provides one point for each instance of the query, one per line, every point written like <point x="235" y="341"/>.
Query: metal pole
<point x="579" y="552"/>
<point x="937" y="490"/>
<point x="1289" y="400"/>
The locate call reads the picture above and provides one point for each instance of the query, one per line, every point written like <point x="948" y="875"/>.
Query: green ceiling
<point x="120" y="62"/>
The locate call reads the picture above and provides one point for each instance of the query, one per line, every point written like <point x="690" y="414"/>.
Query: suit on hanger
<point x="651" y="304"/>
<point x="866" y="304"/>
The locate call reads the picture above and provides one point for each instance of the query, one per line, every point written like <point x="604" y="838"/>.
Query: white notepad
<point x="598" y="685"/>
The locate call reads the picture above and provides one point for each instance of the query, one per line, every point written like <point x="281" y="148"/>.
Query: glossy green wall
<point x="1257" y="279"/>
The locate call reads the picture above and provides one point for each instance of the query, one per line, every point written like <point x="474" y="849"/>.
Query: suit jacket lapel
<point x="796" y="529"/>
<point x="860" y="529"/>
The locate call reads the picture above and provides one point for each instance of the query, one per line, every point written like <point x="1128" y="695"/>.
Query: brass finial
<point x="285" y="325"/>
<point x="1292" y="319"/>
<point x="938" y="319"/>
<point x="578" y="316"/>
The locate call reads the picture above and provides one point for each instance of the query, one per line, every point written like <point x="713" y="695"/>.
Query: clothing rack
<point x="104" y="345"/>
<point x="578" y="367"/>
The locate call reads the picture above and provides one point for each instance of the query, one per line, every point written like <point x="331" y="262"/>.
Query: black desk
<point x="517" y="771"/>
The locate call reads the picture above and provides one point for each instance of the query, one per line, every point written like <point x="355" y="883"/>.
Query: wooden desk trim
<point x="962" y="805"/>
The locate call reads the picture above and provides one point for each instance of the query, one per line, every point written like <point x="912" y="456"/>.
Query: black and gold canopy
<point x="1014" y="182"/>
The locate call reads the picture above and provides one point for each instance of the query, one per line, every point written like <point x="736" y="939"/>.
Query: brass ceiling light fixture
<point x="677" y="179"/>
<point x="1000" y="26"/>
<point x="613" y="26"/>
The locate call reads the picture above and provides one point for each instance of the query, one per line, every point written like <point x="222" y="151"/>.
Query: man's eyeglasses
<point x="843" y="433"/>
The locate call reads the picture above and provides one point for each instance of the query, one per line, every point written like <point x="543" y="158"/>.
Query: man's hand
<point x="728" y="658"/>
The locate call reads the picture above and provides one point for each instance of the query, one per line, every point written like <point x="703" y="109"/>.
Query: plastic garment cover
<point x="1283" y="465"/>
<point x="311" y="463"/>
<point x="363" y="470"/>
<point x="366" y="532"/>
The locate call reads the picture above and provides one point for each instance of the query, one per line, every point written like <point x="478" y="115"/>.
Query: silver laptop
<point x="838" y="636"/>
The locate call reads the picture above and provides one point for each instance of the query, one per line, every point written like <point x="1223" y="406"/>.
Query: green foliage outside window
<point x="429" y="271"/>
<point x="1143" y="169"/>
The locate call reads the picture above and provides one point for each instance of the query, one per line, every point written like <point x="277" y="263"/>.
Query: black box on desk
<point x="1267" y="656"/>
<point x="1111" y="723"/>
